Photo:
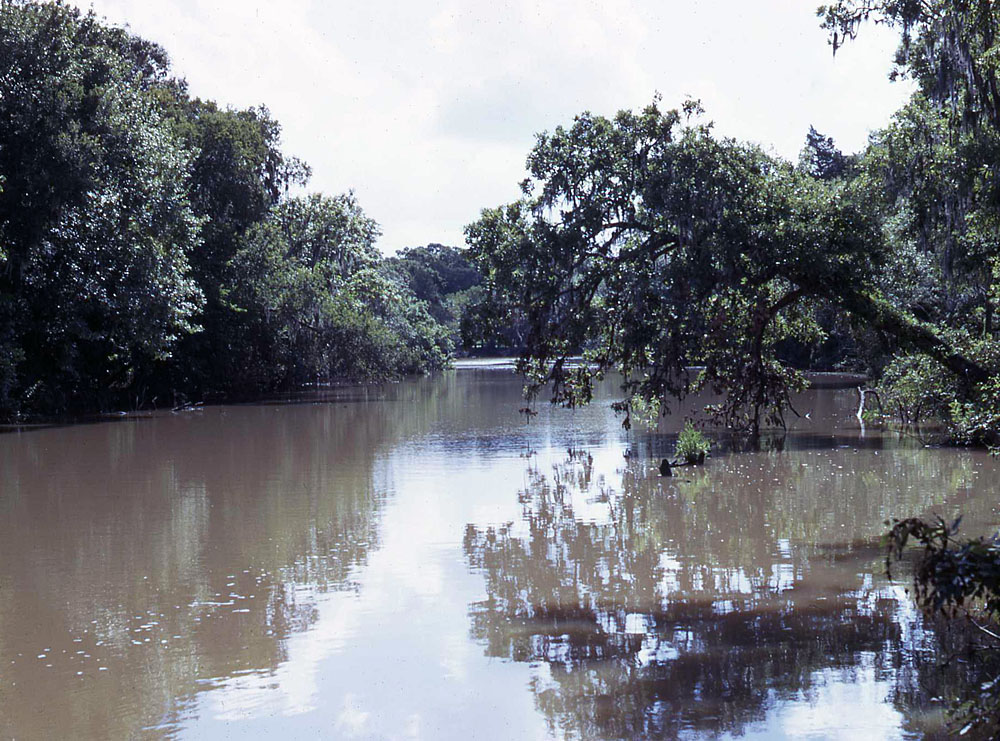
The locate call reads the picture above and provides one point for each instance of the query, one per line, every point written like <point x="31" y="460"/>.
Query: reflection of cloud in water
<point x="710" y="604"/>
<point x="843" y="705"/>
<point x="352" y="719"/>
<point x="390" y="659"/>
<point x="401" y="572"/>
<point x="277" y="570"/>
<point x="291" y="688"/>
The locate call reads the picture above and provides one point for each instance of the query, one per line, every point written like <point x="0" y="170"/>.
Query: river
<point x="416" y="560"/>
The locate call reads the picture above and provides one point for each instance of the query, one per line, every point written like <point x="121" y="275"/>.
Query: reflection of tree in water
<point x="694" y="605"/>
<point x="178" y="551"/>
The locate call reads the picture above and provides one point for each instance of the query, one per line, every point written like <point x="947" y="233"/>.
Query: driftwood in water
<point x="667" y="466"/>
<point x="188" y="406"/>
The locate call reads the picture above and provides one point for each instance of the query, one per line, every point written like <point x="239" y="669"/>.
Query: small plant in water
<point x="692" y="445"/>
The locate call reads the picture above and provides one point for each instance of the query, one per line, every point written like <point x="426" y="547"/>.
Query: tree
<point x="238" y="174"/>
<point x="95" y="215"/>
<point x="310" y="301"/>
<point x="148" y="245"/>
<point x="933" y="170"/>
<point x="948" y="46"/>
<point x="653" y="247"/>
<point x="938" y="161"/>
<point x="442" y="277"/>
<point x="436" y="271"/>
<point x="821" y="158"/>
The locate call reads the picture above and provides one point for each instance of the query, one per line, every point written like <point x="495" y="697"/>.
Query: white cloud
<point x="428" y="109"/>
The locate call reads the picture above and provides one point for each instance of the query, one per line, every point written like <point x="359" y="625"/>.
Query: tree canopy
<point x="936" y="166"/>
<point x="654" y="248"/>
<point x="96" y="220"/>
<point x="149" y="245"/>
<point x="443" y="278"/>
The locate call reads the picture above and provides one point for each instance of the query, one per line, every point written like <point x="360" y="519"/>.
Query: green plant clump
<point x="692" y="445"/>
<point x="959" y="578"/>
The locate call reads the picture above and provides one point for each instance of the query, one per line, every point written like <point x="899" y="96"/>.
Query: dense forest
<point x="157" y="248"/>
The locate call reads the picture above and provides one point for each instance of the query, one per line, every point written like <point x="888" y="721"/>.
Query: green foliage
<point x="442" y="277"/>
<point x="934" y="168"/>
<point x="692" y="445"/>
<point x="149" y="248"/>
<point x="951" y="575"/>
<point x="931" y="171"/>
<point x="650" y="246"/>
<point x="956" y="578"/>
<point x="312" y="302"/>
<point x="237" y="176"/>
<point x="644" y="411"/>
<point x="436" y="271"/>
<point x="948" y="46"/>
<point x="95" y="214"/>
<point x="914" y="390"/>
<point x="976" y="421"/>
<point x="820" y="157"/>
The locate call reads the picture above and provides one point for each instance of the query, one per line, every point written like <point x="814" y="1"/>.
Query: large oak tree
<point x="654" y="247"/>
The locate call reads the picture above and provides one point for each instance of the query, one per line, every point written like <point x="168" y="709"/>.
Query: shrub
<point x="959" y="579"/>
<point x="692" y="445"/>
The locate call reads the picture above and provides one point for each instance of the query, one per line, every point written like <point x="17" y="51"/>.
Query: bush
<point x="915" y="389"/>
<point x="959" y="579"/>
<point x="692" y="445"/>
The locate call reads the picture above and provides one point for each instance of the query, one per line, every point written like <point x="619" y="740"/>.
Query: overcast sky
<point x="428" y="109"/>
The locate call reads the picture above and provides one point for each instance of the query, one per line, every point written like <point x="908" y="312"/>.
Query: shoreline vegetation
<point x="161" y="250"/>
<point x="157" y="249"/>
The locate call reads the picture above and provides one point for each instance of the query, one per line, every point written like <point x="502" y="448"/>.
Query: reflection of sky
<point x="848" y="704"/>
<point x="305" y="571"/>
<point x="393" y="658"/>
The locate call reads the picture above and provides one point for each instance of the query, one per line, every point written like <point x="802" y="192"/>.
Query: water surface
<point x="415" y="561"/>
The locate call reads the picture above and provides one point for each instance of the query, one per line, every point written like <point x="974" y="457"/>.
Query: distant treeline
<point x="152" y="252"/>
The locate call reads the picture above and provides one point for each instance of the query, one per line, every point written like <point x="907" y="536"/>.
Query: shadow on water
<point x="344" y="393"/>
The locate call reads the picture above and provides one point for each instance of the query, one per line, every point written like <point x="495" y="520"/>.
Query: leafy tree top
<point x="654" y="247"/>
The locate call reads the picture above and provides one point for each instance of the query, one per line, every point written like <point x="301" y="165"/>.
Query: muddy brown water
<point x="414" y="561"/>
